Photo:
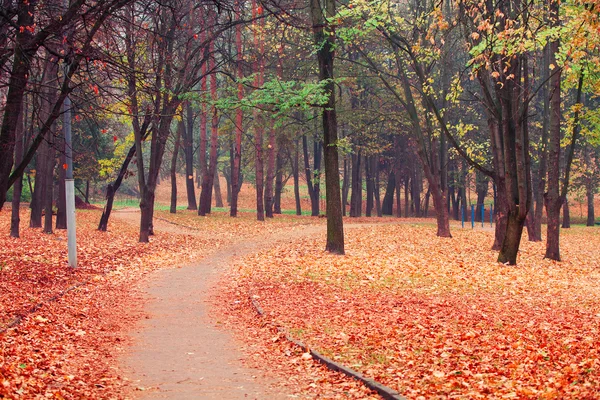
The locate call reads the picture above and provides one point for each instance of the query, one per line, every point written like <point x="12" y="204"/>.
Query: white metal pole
<point x="69" y="186"/>
<point x="71" y="231"/>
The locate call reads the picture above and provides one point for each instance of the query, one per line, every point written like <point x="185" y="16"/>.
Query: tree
<point x="324" y="34"/>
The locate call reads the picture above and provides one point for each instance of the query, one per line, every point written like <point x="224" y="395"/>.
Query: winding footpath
<point x="178" y="351"/>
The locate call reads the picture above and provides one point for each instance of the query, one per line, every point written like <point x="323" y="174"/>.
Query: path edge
<point x="385" y="392"/>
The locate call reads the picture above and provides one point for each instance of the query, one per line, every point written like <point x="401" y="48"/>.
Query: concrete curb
<point x="384" y="391"/>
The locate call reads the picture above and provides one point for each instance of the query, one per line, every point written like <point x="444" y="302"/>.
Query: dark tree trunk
<point x="426" y="207"/>
<point x="270" y="173"/>
<point x="388" y="198"/>
<point x="17" y="84"/>
<point x="566" y="223"/>
<point x="481" y="187"/>
<point x="370" y="184"/>
<point x="188" y="148"/>
<point x="239" y="119"/>
<point x="376" y="186"/>
<point x="398" y="199"/>
<point x="406" y="194"/>
<point x="296" y="173"/>
<point x="209" y="174"/>
<point x="217" y="186"/>
<point x="180" y="128"/>
<point x="589" y="188"/>
<point x="543" y="152"/>
<point x="356" y="194"/>
<point x="416" y="194"/>
<point x="39" y="187"/>
<point x="49" y="182"/>
<point x="18" y="185"/>
<point x="553" y="198"/>
<point x="278" y="181"/>
<point x="325" y="55"/>
<point x="61" y="204"/>
<point x="312" y="176"/>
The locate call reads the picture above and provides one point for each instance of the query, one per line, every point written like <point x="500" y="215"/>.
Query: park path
<point x="178" y="352"/>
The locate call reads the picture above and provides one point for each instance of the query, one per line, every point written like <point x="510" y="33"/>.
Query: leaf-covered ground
<point x="438" y="318"/>
<point x="69" y="345"/>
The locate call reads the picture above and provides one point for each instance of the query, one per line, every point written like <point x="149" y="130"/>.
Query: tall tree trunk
<point x="345" y="185"/>
<point x="481" y="187"/>
<point x="258" y="117"/>
<point x="49" y="181"/>
<point x="406" y="194"/>
<point x="270" y="173"/>
<point x="61" y="202"/>
<point x="589" y="191"/>
<point x="553" y="199"/>
<point x="278" y="181"/>
<point x="376" y="186"/>
<point x="217" y="186"/>
<point x="209" y="173"/>
<point x="296" y="173"/>
<point x="18" y="185"/>
<point x="188" y="148"/>
<point x="180" y="128"/>
<point x="388" y="198"/>
<point x="239" y="119"/>
<point x="543" y="152"/>
<point x="312" y="175"/>
<point x="17" y="84"/>
<point x="566" y="223"/>
<point x="370" y="184"/>
<point x="356" y="194"/>
<point x="325" y="41"/>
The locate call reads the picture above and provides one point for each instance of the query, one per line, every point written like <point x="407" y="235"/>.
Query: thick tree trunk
<point x="553" y="198"/>
<point x="188" y="148"/>
<point x="356" y="194"/>
<point x="209" y="174"/>
<point x="18" y="185"/>
<point x="589" y="188"/>
<point x="388" y="198"/>
<point x="17" y="84"/>
<point x="510" y="245"/>
<point x="543" y="152"/>
<point x="325" y="54"/>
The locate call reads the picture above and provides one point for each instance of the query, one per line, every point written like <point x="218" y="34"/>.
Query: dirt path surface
<point x="178" y="351"/>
